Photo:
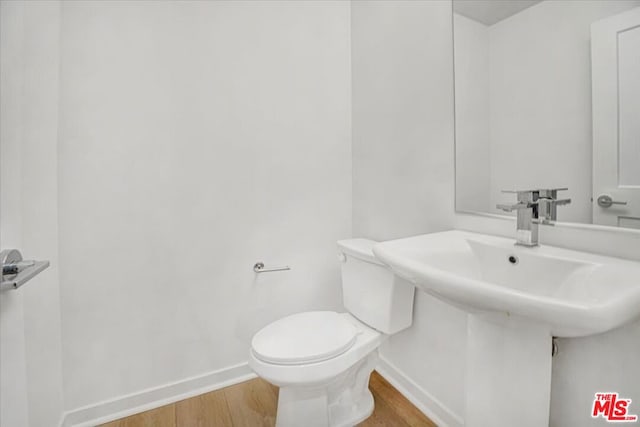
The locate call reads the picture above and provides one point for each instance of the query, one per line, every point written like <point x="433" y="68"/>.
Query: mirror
<point x="547" y="95"/>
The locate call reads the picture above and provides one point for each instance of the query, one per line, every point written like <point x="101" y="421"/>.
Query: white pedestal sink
<point x="517" y="298"/>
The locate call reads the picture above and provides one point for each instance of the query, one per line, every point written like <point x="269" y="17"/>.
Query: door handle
<point x="15" y="271"/>
<point x="606" y="201"/>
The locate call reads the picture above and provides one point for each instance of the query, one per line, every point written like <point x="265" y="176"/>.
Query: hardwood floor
<point x="254" y="403"/>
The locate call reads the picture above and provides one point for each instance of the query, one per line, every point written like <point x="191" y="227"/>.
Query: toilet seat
<point x="304" y="338"/>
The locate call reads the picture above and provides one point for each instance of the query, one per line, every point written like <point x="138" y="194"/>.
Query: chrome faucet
<point x="534" y="207"/>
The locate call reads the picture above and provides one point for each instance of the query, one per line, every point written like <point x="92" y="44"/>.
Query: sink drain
<point x="513" y="259"/>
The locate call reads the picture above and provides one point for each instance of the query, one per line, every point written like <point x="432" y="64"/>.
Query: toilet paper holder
<point x="259" y="267"/>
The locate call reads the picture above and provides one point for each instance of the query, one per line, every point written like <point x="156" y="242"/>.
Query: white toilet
<point x="321" y="360"/>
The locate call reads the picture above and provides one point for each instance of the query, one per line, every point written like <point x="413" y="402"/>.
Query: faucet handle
<point x="510" y="208"/>
<point x="551" y="193"/>
<point x="518" y="191"/>
<point x="541" y="192"/>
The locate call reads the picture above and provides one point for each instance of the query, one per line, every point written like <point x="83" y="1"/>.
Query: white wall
<point x="472" y="92"/>
<point x="540" y="79"/>
<point x="196" y="138"/>
<point x="402" y="116"/>
<point x="403" y="170"/>
<point x="30" y="317"/>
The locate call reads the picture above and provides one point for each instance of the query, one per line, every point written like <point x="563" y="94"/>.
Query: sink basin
<point x="516" y="298"/>
<point x="570" y="293"/>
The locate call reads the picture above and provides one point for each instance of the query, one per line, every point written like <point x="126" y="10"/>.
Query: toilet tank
<point x="371" y="292"/>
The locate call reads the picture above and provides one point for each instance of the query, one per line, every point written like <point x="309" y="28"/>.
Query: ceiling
<point x="489" y="12"/>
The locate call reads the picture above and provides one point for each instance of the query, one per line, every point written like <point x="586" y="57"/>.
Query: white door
<point x="13" y="368"/>
<point x="615" y="58"/>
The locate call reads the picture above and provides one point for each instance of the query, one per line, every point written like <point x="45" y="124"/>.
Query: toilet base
<point x="343" y="401"/>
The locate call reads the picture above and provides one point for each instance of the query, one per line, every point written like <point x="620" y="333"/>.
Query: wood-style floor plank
<point x="206" y="410"/>
<point x="163" y="416"/>
<point x="383" y="416"/>
<point x="252" y="403"/>
<point x="385" y="392"/>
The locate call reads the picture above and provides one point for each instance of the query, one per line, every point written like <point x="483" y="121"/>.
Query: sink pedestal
<point x="508" y="372"/>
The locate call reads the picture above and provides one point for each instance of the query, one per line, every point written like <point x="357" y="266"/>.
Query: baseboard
<point x="103" y="412"/>
<point x="110" y="410"/>
<point x="422" y="399"/>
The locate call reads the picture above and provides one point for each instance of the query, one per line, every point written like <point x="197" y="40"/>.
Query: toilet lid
<point x="307" y="337"/>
